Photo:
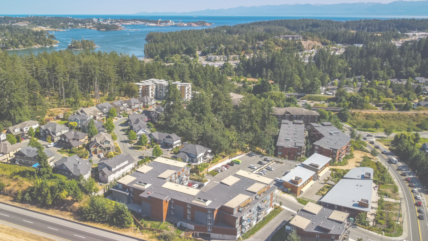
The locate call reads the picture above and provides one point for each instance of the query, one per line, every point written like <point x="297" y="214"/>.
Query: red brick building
<point x="222" y="210"/>
<point x="295" y="113"/>
<point x="291" y="140"/>
<point x="329" y="141"/>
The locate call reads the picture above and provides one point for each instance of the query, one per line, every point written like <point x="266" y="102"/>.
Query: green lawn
<point x="62" y="122"/>
<point x="262" y="223"/>
<point x="304" y="201"/>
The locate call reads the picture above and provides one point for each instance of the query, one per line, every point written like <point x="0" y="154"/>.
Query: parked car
<point x="371" y="142"/>
<point x="277" y="179"/>
<point x="377" y="147"/>
<point x="266" y="159"/>
<point x="414" y="190"/>
<point x="409" y="179"/>
<point x="101" y="155"/>
<point x="418" y="203"/>
<point x="195" y="186"/>
<point x="417" y="197"/>
<point x="420" y="210"/>
<point x="404" y="174"/>
<point x="260" y="162"/>
<point x="385" y="152"/>
<point x="49" y="145"/>
<point x="231" y="164"/>
<point x="421" y="217"/>
<point x="190" y="184"/>
<point x="237" y="161"/>
<point x="270" y="168"/>
<point x="252" y="166"/>
<point x="55" y="143"/>
<point x="369" y="135"/>
<point x="411" y="185"/>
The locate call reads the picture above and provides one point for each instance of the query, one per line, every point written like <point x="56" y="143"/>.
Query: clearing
<point x="12" y="234"/>
<point x="354" y="162"/>
<point x="309" y="44"/>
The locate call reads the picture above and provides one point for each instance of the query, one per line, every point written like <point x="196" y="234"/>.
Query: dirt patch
<point x="56" y="111"/>
<point x="354" y="162"/>
<point x="309" y="44"/>
<point x="12" y="234"/>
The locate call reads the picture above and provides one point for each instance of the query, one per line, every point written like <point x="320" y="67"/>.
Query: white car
<point x="252" y="167"/>
<point x="277" y="179"/>
<point x="195" y="186"/>
<point x="270" y="168"/>
<point x="101" y="155"/>
<point x="49" y="145"/>
<point x="417" y="197"/>
<point x="414" y="190"/>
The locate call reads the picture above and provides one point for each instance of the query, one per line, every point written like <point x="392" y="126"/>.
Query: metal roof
<point x="317" y="160"/>
<point x="360" y="173"/>
<point x="170" y="162"/>
<point x="333" y="138"/>
<point x="300" y="172"/>
<point x="291" y="134"/>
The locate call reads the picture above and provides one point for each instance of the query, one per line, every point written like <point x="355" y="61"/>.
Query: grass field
<point x="12" y="234"/>
<point x="399" y="121"/>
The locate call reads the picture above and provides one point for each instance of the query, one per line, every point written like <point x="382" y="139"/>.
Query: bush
<point x="167" y="236"/>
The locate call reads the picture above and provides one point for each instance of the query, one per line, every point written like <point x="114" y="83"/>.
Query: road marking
<point x="79" y="236"/>
<point x="53" y="228"/>
<point x="27" y="221"/>
<point x="11" y="224"/>
<point x="4" y="215"/>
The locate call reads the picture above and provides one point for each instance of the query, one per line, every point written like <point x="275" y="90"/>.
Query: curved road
<point x="60" y="229"/>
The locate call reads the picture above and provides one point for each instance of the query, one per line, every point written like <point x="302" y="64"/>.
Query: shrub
<point x="167" y="236"/>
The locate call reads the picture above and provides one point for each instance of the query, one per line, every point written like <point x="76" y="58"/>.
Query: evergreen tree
<point x="92" y="130"/>
<point x="31" y="132"/>
<point x="157" y="151"/>
<point x="112" y="113"/>
<point x="143" y="140"/>
<point x="109" y="125"/>
<point x="11" y="139"/>
<point x="122" y="217"/>
<point x="34" y="143"/>
<point x="132" y="135"/>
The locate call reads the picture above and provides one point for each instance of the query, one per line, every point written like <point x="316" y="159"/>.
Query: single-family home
<point x="54" y="130"/>
<point x="194" y="153"/>
<point x="133" y="104"/>
<point x="3" y="136"/>
<point x="420" y="103"/>
<point x="166" y="139"/>
<point x="27" y="156"/>
<point x="21" y="129"/>
<point x="73" y="167"/>
<point x="98" y="125"/>
<point x="79" y="119"/>
<point x="104" y="108"/>
<point x="92" y="112"/>
<point x="236" y="98"/>
<point x="146" y="101"/>
<point x="101" y="143"/>
<point x="73" y="139"/>
<point x="7" y="150"/>
<point x="113" y="168"/>
<point x="137" y="122"/>
<point x="119" y="105"/>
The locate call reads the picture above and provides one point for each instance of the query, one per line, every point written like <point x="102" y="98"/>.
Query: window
<point x="333" y="236"/>
<point x="316" y="147"/>
<point x="172" y="212"/>
<point x="189" y="206"/>
<point x="209" y="216"/>
<point x="210" y="211"/>
<point x="188" y="216"/>
<point x="317" y="235"/>
<point x="279" y="153"/>
<point x="188" y="211"/>
<point x="209" y="229"/>
<point x="172" y="206"/>
<point x="209" y="222"/>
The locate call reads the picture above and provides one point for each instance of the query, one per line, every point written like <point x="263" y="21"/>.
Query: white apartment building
<point x="157" y="89"/>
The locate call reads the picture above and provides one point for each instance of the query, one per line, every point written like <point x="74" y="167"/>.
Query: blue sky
<point x="134" y="6"/>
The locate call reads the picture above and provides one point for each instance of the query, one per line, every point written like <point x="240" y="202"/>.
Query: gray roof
<point x="79" y="117"/>
<point x="317" y="161"/>
<point x="104" y="105"/>
<point x="162" y="136"/>
<point x="183" y="156"/>
<point x="291" y="134"/>
<point x="101" y="139"/>
<point x="21" y="126"/>
<point x="300" y="172"/>
<point x="138" y="121"/>
<point x="360" y="173"/>
<point x="107" y="165"/>
<point x="6" y="147"/>
<point x="75" y="165"/>
<point x="332" y="138"/>
<point x="32" y="152"/>
<point x="54" y="127"/>
<point x="75" y="135"/>
<point x="219" y="194"/>
<point x="132" y="102"/>
<point x="89" y="111"/>
<point x="145" y="99"/>
<point x="347" y="193"/>
<point x="117" y="103"/>
<point x="194" y="149"/>
<point x="293" y="111"/>
<point x="322" y="220"/>
<point x="98" y="125"/>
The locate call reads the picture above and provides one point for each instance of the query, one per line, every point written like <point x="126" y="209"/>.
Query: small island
<point x="82" y="44"/>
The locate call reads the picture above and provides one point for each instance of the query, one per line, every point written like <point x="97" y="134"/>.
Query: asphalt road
<point x="55" y="226"/>
<point x="417" y="229"/>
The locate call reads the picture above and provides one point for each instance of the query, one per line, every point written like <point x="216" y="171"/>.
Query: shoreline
<point x="35" y="47"/>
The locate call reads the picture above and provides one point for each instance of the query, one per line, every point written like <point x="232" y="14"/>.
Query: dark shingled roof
<point x="294" y="111"/>
<point x="332" y="138"/>
<point x="75" y="165"/>
<point x="75" y="135"/>
<point x="291" y="134"/>
<point x="106" y="165"/>
<point x="194" y="149"/>
<point x="32" y="152"/>
<point x="161" y="136"/>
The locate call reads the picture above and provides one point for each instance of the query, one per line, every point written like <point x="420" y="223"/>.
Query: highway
<point x="417" y="229"/>
<point x="59" y="228"/>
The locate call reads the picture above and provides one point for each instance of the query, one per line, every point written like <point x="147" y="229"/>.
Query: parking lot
<point x="279" y="166"/>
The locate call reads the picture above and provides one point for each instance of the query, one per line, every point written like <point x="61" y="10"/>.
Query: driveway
<point x="122" y="140"/>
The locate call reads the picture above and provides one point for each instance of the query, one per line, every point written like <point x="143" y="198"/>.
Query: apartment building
<point x="329" y="141"/>
<point x="353" y="193"/>
<point x="113" y="168"/>
<point x="314" y="222"/>
<point x="318" y="164"/>
<point x="291" y="140"/>
<point x="295" y="113"/>
<point x="298" y="180"/>
<point x="157" y="89"/>
<point x="225" y="210"/>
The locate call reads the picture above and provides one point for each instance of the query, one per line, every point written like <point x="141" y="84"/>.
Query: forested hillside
<point x="82" y="44"/>
<point x="20" y="37"/>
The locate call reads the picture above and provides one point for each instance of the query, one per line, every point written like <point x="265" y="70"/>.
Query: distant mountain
<point x="393" y="9"/>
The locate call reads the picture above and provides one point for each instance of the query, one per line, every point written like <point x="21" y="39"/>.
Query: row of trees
<point x="12" y="37"/>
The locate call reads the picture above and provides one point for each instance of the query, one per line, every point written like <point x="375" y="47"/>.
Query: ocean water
<point x="131" y="41"/>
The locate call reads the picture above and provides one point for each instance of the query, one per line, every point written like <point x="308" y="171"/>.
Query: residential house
<point x="421" y="80"/>
<point x="147" y="101"/>
<point x="236" y="98"/>
<point x="291" y="37"/>
<point x="92" y="112"/>
<point x="160" y="191"/>
<point x="194" y="153"/>
<point x="7" y="150"/>
<point x="54" y="130"/>
<point x="22" y="128"/>
<point x="73" y="167"/>
<point x="27" y="156"/>
<point x="133" y="104"/>
<point x="98" y="125"/>
<point x="166" y="139"/>
<point x="291" y="140"/>
<point x="315" y="222"/>
<point x="113" y="168"/>
<point x="120" y="106"/>
<point x="295" y="113"/>
<point x="137" y="122"/>
<point x="73" y="139"/>
<point x="298" y="180"/>
<point x="329" y="141"/>
<point x="79" y="119"/>
<point x="102" y="143"/>
<point x="104" y="108"/>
